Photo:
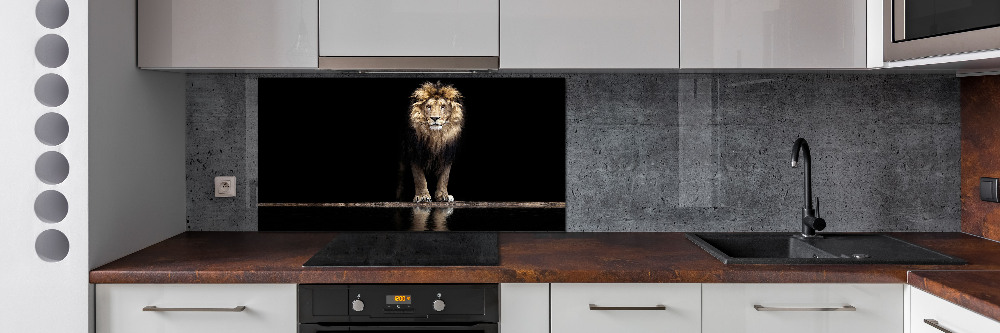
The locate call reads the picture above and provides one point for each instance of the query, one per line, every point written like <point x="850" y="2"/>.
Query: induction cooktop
<point x="409" y="249"/>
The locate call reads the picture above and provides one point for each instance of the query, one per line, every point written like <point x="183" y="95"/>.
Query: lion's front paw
<point x="443" y="197"/>
<point x="425" y="197"/>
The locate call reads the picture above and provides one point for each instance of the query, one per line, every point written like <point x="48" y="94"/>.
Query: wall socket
<point x="988" y="189"/>
<point x="225" y="186"/>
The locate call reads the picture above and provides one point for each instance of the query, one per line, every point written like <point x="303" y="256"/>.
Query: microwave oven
<point x="916" y="29"/>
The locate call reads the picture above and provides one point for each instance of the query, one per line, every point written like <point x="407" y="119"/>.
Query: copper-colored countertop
<point x="259" y="257"/>
<point x="978" y="291"/>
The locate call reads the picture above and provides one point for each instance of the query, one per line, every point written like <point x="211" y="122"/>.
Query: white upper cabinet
<point x="509" y="34"/>
<point x="589" y="34"/>
<point x="778" y="33"/>
<point x="227" y="34"/>
<point x="409" y="28"/>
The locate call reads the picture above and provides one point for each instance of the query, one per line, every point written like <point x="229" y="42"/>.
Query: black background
<point x="339" y="139"/>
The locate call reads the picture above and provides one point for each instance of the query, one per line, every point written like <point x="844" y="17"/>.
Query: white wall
<point x="35" y="295"/>
<point x="125" y="148"/>
<point x="137" y="185"/>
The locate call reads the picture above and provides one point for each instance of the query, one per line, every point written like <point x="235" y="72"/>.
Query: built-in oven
<point x="465" y="308"/>
<point x="927" y="28"/>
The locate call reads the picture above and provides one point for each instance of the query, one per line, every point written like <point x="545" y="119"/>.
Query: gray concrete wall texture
<point x="679" y="152"/>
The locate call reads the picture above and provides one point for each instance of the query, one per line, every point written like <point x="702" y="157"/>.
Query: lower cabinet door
<point x="524" y="308"/>
<point x="626" y="307"/>
<point x="196" y="308"/>
<point x="802" y="308"/>
<point x="930" y="314"/>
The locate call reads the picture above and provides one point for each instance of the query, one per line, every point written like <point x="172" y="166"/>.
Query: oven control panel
<point x="400" y="303"/>
<point x="423" y="299"/>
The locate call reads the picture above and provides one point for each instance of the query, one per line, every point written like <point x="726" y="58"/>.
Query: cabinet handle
<point x="613" y="308"/>
<point x="759" y="307"/>
<point x="935" y="324"/>
<point x="234" y="309"/>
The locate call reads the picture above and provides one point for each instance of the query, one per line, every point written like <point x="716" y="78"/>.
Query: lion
<point x="436" y="120"/>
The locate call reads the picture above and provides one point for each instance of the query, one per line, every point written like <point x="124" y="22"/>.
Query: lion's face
<point x="436" y="108"/>
<point x="434" y="113"/>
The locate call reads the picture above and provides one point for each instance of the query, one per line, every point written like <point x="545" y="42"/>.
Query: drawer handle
<point x="615" y="308"/>
<point x="935" y="324"/>
<point x="235" y="309"/>
<point x="759" y="307"/>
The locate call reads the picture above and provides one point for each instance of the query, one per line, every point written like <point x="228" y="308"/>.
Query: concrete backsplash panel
<point x="679" y="152"/>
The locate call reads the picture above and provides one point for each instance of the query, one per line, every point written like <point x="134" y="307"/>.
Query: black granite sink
<point x="786" y="248"/>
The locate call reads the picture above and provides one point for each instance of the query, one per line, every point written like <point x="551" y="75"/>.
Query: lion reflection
<point x="437" y="217"/>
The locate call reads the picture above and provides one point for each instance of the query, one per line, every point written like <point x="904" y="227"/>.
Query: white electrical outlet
<point x="225" y="186"/>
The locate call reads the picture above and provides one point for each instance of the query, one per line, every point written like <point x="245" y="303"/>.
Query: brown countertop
<point x="260" y="257"/>
<point x="978" y="291"/>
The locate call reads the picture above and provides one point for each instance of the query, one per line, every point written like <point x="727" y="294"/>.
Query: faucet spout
<point x="803" y="146"/>
<point x="810" y="222"/>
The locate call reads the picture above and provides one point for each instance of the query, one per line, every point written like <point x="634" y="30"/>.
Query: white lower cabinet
<point x="570" y="307"/>
<point x="802" y="308"/>
<point x="524" y="308"/>
<point x="930" y="314"/>
<point x="626" y="307"/>
<point x="195" y="308"/>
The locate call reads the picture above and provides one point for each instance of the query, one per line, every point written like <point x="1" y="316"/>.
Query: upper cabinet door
<point x="774" y="34"/>
<point x="227" y="34"/>
<point x="409" y="28"/>
<point x="589" y="34"/>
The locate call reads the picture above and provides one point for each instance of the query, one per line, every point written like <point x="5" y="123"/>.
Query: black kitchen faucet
<point x="810" y="222"/>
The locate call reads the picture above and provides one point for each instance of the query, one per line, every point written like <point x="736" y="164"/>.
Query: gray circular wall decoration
<point x="51" y="206"/>
<point x="51" y="51"/>
<point x="52" y="245"/>
<point x="52" y="168"/>
<point x="52" y="13"/>
<point x="51" y="129"/>
<point x="51" y="90"/>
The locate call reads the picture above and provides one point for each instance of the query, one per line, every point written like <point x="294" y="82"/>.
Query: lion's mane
<point x="434" y="148"/>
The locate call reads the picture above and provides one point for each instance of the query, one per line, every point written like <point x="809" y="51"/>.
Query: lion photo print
<point x="411" y="154"/>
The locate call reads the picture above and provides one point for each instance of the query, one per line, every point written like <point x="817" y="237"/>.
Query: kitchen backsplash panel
<point x="677" y="152"/>
<point x="980" y="153"/>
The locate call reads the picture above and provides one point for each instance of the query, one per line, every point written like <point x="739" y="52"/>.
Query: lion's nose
<point x="435" y="119"/>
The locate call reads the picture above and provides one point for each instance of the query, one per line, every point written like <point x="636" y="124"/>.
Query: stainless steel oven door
<point x="926" y="28"/>
<point x="473" y="328"/>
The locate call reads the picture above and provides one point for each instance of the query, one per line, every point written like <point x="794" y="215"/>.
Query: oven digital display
<point x="397" y="299"/>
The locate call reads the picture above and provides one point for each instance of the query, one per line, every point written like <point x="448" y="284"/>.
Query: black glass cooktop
<point x="409" y="249"/>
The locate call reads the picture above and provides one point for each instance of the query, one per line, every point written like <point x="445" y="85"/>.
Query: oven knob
<point x="438" y="305"/>
<point x="358" y="305"/>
